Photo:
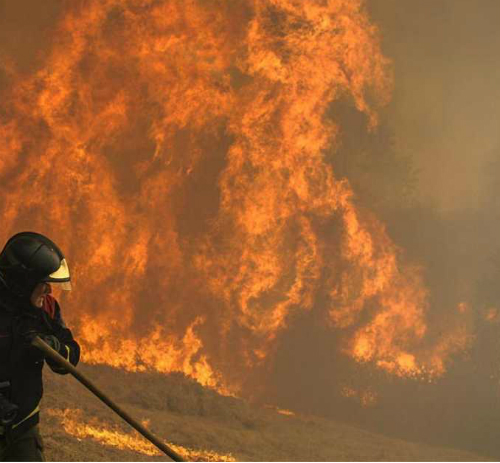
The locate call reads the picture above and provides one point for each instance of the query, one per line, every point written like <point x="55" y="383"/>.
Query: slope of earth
<point x="201" y="425"/>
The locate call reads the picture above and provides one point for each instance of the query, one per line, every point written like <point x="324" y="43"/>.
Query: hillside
<point x="202" y="424"/>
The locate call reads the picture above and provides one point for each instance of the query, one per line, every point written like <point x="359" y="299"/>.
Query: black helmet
<point x="29" y="258"/>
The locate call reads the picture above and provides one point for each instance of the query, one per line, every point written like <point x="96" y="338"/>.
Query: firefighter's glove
<point x="29" y="336"/>
<point x="51" y="340"/>
<point x="8" y="411"/>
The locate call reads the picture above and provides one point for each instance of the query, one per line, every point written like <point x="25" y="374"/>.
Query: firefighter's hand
<point x="51" y="340"/>
<point x="8" y="412"/>
<point x="28" y="336"/>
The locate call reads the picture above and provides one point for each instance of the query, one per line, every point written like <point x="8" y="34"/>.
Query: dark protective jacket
<point x="20" y="363"/>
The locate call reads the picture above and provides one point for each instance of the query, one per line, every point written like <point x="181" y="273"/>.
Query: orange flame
<point x="366" y="398"/>
<point x="71" y="420"/>
<point x="492" y="315"/>
<point x="281" y="411"/>
<point x="180" y="153"/>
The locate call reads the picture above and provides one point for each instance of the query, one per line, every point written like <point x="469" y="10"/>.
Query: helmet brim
<point x="61" y="276"/>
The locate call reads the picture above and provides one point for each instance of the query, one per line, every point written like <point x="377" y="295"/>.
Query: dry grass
<point x="206" y="425"/>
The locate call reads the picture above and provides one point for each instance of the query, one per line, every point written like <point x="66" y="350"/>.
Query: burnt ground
<point x="210" y="426"/>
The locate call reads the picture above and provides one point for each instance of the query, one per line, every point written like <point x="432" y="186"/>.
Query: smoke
<point x="446" y="96"/>
<point x="260" y="223"/>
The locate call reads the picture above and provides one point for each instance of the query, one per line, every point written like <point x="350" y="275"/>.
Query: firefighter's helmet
<point x="30" y="258"/>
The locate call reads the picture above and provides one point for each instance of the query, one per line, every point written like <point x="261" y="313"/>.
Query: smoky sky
<point x="446" y="102"/>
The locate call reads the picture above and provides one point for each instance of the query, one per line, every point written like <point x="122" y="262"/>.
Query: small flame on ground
<point x="71" y="420"/>
<point x="463" y="307"/>
<point x="281" y="411"/>
<point x="367" y="397"/>
<point x="492" y="315"/>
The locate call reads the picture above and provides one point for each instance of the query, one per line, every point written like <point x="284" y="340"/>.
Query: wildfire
<point x="71" y="420"/>
<point x="281" y="411"/>
<point x="366" y="398"/>
<point x="492" y="315"/>
<point x="167" y="355"/>
<point x="181" y="154"/>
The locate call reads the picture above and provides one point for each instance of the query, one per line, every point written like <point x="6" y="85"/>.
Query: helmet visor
<point x="60" y="277"/>
<point x="65" y="285"/>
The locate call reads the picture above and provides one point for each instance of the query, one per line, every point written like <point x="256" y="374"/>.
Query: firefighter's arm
<point x="65" y="344"/>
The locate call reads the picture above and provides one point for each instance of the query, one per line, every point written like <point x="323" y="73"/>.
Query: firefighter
<point x="30" y="264"/>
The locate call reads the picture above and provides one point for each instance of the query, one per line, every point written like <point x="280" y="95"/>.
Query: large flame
<point x="181" y="154"/>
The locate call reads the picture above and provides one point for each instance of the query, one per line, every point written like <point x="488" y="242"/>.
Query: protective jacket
<point x="20" y="363"/>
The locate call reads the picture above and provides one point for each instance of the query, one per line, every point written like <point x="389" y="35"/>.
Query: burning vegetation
<point x="74" y="424"/>
<point x="187" y="157"/>
<point x="178" y="151"/>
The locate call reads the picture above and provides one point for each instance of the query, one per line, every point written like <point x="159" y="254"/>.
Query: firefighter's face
<point x="39" y="293"/>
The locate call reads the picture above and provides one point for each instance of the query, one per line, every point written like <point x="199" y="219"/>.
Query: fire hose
<point x="49" y="352"/>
